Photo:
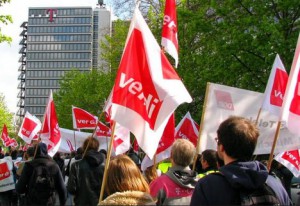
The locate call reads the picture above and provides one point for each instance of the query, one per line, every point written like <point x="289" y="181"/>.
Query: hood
<point x="41" y="151"/>
<point x="94" y="158"/>
<point x="249" y="175"/>
<point x="128" y="198"/>
<point x="183" y="176"/>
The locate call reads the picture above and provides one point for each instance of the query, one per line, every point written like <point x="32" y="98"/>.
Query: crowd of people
<point x="219" y="176"/>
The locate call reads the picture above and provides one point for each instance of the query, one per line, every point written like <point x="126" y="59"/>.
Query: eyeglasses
<point x="217" y="140"/>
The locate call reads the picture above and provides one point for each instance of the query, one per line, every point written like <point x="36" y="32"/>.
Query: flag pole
<point x="74" y="139"/>
<point x="274" y="144"/>
<point x="257" y="118"/>
<point x="201" y="124"/>
<point x="107" y="162"/>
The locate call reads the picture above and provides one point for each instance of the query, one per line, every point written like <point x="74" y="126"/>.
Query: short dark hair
<point x="90" y="143"/>
<point x="238" y="136"/>
<point x="210" y="156"/>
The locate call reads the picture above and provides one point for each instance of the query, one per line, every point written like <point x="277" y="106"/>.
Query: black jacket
<point x="85" y="178"/>
<point x="224" y="189"/>
<point x="23" y="185"/>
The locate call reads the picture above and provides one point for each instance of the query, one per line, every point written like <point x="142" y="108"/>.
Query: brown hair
<point x="91" y="143"/>
<point x="238" y="136"/>
<point x="183" y="152"/>
<point x="123" y="175"/>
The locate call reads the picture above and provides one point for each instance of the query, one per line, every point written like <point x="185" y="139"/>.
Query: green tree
<point x="5" y="20"/>
<point x="5" y="117"/>
<point x="233" y="43"/>
<point x="87" y="90"/>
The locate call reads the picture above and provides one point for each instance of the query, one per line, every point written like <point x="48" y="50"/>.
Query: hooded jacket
<point x="128" y="198"/>
<point x="85" y="178"/>
<point x="224" y="189"/>
<point x="177" y="184"/>
<point x="42" y="159"/>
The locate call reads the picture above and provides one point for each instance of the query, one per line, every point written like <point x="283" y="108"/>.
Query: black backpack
<point x="261" y="196"/>
<point x="41" y="187"/>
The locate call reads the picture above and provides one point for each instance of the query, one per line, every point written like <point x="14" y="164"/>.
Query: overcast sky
<point x="9" y="54"/>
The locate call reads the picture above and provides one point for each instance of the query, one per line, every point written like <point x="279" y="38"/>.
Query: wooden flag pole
<point x="274" y="145"/>
<point x="107" y="162"/>
<point x="201" y="125"/>
<point x="258" y="115"/>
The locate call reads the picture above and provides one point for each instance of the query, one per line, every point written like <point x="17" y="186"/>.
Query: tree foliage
<point x="5" y="20"/>
<point x="87" y="90"/>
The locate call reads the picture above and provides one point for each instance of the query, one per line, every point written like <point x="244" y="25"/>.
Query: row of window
<point x="42" y="83"/>
<point x="61" y="11"/>
<point x="60" y="29"/>
<point x="58" y="56"/>
<point x="60" y="38"/>
<point x="35" y="110"/>
<point x="55" y="73"/>
<point x="58" y="47"/>
<point x="66" y="64"/>
<point x="39" y="92"/>
<point x="59" y="20"/>
<point x="34" y="100"/>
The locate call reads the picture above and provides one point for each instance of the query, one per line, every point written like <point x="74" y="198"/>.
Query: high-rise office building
<point x="54" y="41"/>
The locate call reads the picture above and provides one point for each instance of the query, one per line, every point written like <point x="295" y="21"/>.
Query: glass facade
<point x="57" y="40"/>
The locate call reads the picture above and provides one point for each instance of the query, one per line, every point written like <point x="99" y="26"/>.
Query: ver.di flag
<point x="275" y="88"/>
<point x="4" y="135"/>
<point x="147" y="89"/>
<point x="291" y="102"/>
<point x="83" y="119"/>
<point x="187" y="129"/>
<point x="29" y="128"/>
<point x="50" y="133"/>
<point x="291" y="160"/>
<point x="169" y="39"/>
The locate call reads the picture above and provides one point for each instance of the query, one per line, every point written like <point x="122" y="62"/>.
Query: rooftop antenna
<point x="101" y="4"/>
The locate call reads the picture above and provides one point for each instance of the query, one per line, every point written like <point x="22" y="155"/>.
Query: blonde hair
<point x="123" y="175"/>
<point x="183" y="152"/>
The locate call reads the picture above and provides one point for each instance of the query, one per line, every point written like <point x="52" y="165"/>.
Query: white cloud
<point x="9" y="54"/>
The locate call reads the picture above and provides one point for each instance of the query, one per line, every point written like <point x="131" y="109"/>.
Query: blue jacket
<point x="224" y="189"/>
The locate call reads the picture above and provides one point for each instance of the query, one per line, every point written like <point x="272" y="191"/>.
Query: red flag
<point x="29" y="128"/>
<point x="186" y="129"/>
<point x="164" y="148"/>
<point x="50" y="133"/>
<point x="102" y="130"/>
<point x="275" y="88"/>
<point x="291" y="101"/>
<point x="11" y="143"/>
<point x="121" y="141"/>
<point x="147" y="89"/>
<point x="169" y="39"/>
<point x="4" y="136"/>
<point x="83" y="119"/>
<point x="291" y="160"/>
<point x="135" y="146"/>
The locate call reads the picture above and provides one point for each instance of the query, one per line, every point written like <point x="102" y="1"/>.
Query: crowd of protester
<point x="216" y="178"/>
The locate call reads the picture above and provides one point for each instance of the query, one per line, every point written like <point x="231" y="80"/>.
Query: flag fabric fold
<point x="30" y="127"/>
<point x="169" y="39"/>
<point x="164" y="147"/>
<point x="275" y="89"/>
<point x="291" y="103"/>
<point x="50" y="133"/>
<point x="4" y="135"/>
<point x="147" y="89"/>
<point x="83" y="119"/>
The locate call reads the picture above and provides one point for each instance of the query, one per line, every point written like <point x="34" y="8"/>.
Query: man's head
<point x="237" y="136"/>
<point x="90" y="143"/>
<point x="209" y="159"/>
<point x="182" y="152"/>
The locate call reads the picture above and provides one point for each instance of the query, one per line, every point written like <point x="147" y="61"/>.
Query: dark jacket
<point x="85" y="178"/>
<point x="224" y="189"/>
<point x="24" y="185"/>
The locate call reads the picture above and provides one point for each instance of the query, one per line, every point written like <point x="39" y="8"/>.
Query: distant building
<point x="56" y="40"/>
